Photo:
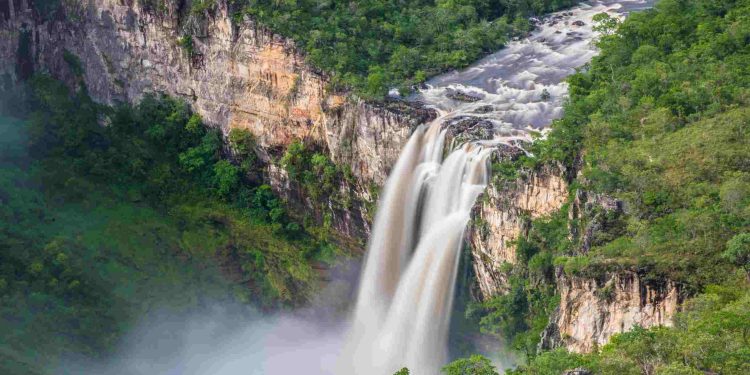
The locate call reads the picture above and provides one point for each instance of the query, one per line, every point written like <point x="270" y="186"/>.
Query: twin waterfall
<point x="405" y="297"/>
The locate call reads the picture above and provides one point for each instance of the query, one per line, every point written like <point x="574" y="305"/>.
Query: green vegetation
<point x="314" y="171"/>
<point x="658" y="120"/>
<point x="660" y="115"/>
<point x="186" y="42"/>
<point x="101" y="225"/>
<point x="474" y="365"/>
<point x="324" y="183"/>
<point x="712" y="335"/>
<point x="46" y="9"/>
<point x="74" y="63"/>
<point x="376" y="45"/>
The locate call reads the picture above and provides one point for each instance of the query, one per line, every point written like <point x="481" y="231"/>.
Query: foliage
<point x="46" y="9"/>
<point x="474" y="365"/>
<point x="74" y="63"/>
<point x="186" y="42"/>
<point x="660" y="116"/>
<point x="103" y="224"/>
<point x="377" y="45"/>
<point x="318" y="176"/>
<point x="200" y="7"/>
<point x="659" y="121"/>
<point x="243" y="143"/>
<point x="738" y="250"/>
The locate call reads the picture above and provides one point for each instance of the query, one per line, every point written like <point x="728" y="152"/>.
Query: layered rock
<point x="234" y="74"/>
<point x="592" y="310"/>
<point x="501" y="217"/>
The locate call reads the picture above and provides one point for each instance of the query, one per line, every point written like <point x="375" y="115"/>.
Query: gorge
<point x="564" y="247"/>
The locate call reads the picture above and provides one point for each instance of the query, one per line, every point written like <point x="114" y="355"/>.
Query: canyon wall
<point x="592" y="310"/>
<point x="501" y="217"/>
<point x="234" y="73"/>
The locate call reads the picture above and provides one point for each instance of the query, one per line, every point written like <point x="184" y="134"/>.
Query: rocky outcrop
<point x="592" y="310"/>
<point x="501" y="217"/>
<point x="234" y="73"/>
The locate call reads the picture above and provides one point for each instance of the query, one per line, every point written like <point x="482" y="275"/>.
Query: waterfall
<point x="406" y="290"/>
<point x="405" y="297"/>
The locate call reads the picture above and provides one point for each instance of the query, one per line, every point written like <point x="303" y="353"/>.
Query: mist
<point x="233" y="339"/>
<point x="222" y="342"/>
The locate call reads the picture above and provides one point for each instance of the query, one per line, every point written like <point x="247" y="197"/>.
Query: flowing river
<point x="407" y="284"/>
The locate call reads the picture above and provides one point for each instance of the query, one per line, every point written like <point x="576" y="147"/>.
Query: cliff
<point x="235" y="74"/>
<point x="592" y="310"/>
<point x="501" y="217"/>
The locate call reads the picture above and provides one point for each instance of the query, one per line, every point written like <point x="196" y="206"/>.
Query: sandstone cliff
<point x="592" y="310"/>
<point x="501" y="216"/>
<point x="235" y="74"/>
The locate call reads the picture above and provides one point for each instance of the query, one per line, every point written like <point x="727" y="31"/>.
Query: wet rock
<point x="415" y="110"/>
<point x="579" y="23"/>
<point x="463" y="96"/>
<point x="578" y="371"/>
<point x="484" y="109"/>
<point x="470" y="128"/>
<point x="550" y="338"/>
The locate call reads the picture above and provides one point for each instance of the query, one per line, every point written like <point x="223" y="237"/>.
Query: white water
<point x="403" y="309"/>
<point x="511" y="81"/>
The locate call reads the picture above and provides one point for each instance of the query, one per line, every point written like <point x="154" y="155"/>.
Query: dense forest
<point x="660" y="121"/>
<point x="103" y="225"/>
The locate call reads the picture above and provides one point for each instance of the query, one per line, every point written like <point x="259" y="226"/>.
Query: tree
<point x="474" y="365"/>
<point x="226" y="177"/>
<point x="738" y="251"/>
<point x="605" y="24"/>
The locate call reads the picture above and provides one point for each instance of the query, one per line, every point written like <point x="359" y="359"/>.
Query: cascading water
<point x="405" y="297"/>
<point x="406" y="291"/>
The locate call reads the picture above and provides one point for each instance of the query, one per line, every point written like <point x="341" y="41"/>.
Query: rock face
<point x="234" y="74"/>
<point x="502" y="216"/>
<point x="591" y="310"/>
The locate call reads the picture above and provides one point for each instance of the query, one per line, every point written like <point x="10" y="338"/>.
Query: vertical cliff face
<point x="592" y="310"/>
<point x="501" y="217"/>
<point x="235" y="74"/>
